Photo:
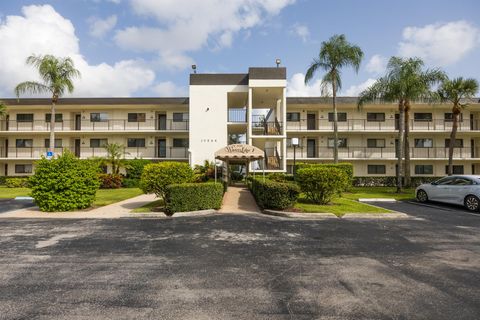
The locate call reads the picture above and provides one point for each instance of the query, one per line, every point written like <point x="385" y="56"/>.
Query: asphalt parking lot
<point x="12" y="204"/>
<point x="243" y="267"/>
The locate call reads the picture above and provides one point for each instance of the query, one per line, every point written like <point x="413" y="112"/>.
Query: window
<point x="457" y="144"/>
<point x="424" y="169"/>
<point x="180" y="143"/>
<point x="423" y="143"/>
<point x="449" y="117"/>
<point x="136" y="117"/>
<point x="135" y="143"/>
<point x="462" y="182"/>
<point x="375" y="116"/>
<point x="58" y="117"/>
<point x="24" y="143"/>
<point x="23" y="168"/>
<point x="342" y="142"/>
<point x="419" y="116"/>
<point x="376" y="169"/>
<point x="24" y="117"/>
<point x="98" y="143"/>
<point x="293" y="116"/>
<point x="376" y="143"/>
<point x="458" y="169"/>
<point x="58" y="143"/>
<point x="445" y="181"/>
<point x="341" y="116"/>
<point x="179" y="117"/>
<point x="98" y="117"/>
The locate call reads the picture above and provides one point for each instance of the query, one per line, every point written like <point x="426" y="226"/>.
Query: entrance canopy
<point x="239" y="152"/>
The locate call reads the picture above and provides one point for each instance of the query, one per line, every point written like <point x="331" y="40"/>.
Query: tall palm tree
<point x="455" y="91"/>
<point x="57" y="76"/>
<point x="3" y="110"/>
<point x="404" y="83"/>
<point x="334" y="54"/>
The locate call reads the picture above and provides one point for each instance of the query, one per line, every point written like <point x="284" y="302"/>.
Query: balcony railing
<point x="237" y="115"/>
<point x="87" y="125"/>
<point x="88" y="152"/>
<point x="381" y="153"/>
<point x="387" y="125"/>
<point x="267" y="128"/>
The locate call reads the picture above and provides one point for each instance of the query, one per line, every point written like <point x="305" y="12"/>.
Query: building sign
<point x="239" y="151"/>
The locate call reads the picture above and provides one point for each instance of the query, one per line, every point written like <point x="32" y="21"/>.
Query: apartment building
<point x="250" y="108"/>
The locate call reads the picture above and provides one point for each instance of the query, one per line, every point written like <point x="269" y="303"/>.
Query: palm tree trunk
<point x="401" y="128"/>
<point x="407" y="144"/>
<point x="335" y="122"/>
<point x="51" y="148"/>
<point x="453" y="134"/>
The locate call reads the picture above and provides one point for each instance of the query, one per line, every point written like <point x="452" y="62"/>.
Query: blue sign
<point x="49" y="153"/>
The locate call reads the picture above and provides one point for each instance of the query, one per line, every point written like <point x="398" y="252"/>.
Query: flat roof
<point x="219" y="79"/>
<point x="93" y="101"/>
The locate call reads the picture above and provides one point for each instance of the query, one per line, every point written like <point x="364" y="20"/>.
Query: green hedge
<point x="12" y="182"/>
<point x="389" y="181"/>
<point x="321" y="184"/>
<point x="193" y="196"/>
<point x="271" y="194"/>
<point x="344" y="166"/>
<point x="157" y="176"/>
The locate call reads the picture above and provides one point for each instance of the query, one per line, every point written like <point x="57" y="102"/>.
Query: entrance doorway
<point x="162" y="148"/>
<point x="77" y="148"/>
<point x="311" y="121"/>
<point x="78" y="122"/>
<point x="162" y="121"/>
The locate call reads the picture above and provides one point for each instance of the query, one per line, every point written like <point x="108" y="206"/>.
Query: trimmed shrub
<point x="17" y="182"/>
<point x="389" y="181"/>
<point x="2" y="180"/>
<point x="130" y="183"/>
<point x="344" y="166"/>
<point x="157" y="176"/>
<point x="64" y="183"/>
<point x="134" y="168"/>
<point x="193" y="196"/>
<point x="110" y="181"/>
<point x="272" y="194"/>
<point x="321" y="183"/>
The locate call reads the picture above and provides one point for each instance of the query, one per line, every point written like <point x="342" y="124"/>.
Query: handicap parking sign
<point x="49" y="154"/>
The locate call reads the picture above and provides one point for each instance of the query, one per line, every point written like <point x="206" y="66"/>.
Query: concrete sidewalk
<point x="239" y="200"/>
<point x="115" y="210"/>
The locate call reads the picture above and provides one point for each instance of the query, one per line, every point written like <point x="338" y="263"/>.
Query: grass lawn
<point x="379" y="192"/>
<point x="149" y="206"/>
<point x="13" y="192"/>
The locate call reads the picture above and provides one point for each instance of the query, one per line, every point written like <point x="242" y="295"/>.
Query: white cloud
<point x="376" y="64"/>
<point x="355" y="90"/>
<point x="100" y="27"/>
<point x="188" y="25"/>
<point x="169" y="89"/>
<point x="296" y="87"/>
<point x="301" y="31"/>
<point x="44" y="31"/>
<point x="442" y="44"/>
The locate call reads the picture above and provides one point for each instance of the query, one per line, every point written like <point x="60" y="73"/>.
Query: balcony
<point x="387" y="125"/>
<point x="87" y="125"/>
<point x="180" y="153"/>
<point x="237" y="115"/>
<point x="267" y="128"/>
<point x="381" y="153"/>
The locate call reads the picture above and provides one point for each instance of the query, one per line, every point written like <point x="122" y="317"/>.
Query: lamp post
<point x="295" y="145"/>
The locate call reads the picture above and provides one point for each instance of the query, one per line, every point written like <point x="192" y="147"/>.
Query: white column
<point x="249" y="121"/>
<point x="284" y="125"/>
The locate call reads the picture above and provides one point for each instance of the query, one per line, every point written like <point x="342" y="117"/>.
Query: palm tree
<point x="57" y="76"/>
<point x="455" y="91"/>
<point x="404" y="83"/>
<point x="115" y="156"/>
<point x="335" y="54"/>
<point x="3" y="110"/>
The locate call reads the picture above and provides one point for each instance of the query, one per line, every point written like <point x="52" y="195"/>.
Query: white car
<point x="459" y="189"/>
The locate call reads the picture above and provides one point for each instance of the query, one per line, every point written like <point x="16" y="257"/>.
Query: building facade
<point x="249" y="108"/>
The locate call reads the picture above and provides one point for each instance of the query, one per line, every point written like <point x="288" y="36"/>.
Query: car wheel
<point x="472" y="203"/>
<point x="422" y="196"/>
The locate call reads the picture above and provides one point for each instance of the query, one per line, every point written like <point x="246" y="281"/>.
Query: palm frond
<point x="32" y="87"/>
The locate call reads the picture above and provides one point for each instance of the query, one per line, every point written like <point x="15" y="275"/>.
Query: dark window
<point x="98" y="117"/>
<point x="424" y="169"/>
<point x="293" y="116"/>
<point x="458" y="169"/>
<point x="375" y="116"/>
<point x="136" y="117"/>
<point x="376" y="169"/>
<point x="341" y="116"/>
<point x="23" y="168"/>
<point x="422" y="116"/>
<point x="58" y="117"/>
<point x="449" y="117"/>
<point x="446" y="181"/>
<point x="178" y="117"/>
<point x="98" y="143"/>
<point x="376" y="143"/>
<point x="58" y="143"/>
<point x="423" y="143"/>
<point x="457" y="144"/>
<point x="24" y="117"/>
<point x="133" y="143"/>
<point x="24" y="143"/>
<point x="180" y="143"/>
<point x="342" y="142"/>
<point x="462" y="182"/>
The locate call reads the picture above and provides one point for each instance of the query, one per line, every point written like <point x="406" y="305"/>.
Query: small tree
<point x="3" y="110"/>
<point x="115" y="156"/>
<point x="206" y="171"/>
<point x="157" y="176"/>
<point x="321" y="184"/>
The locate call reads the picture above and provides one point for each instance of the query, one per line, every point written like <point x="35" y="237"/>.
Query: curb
<point x="325" y="215"/>
<point x="160" y="214"/>
<point x="391" y="215"/>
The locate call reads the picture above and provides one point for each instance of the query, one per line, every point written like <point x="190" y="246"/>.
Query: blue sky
<point x="146" y="47"/>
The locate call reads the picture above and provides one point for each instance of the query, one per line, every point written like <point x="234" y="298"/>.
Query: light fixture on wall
<point x="278" y="61"/>
<point x="208" y="109"/>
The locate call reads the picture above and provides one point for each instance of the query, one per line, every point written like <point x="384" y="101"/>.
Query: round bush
<point x="64" y="184"/>
<point x="321" y="184"/>
<point x="157" y="176"/>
